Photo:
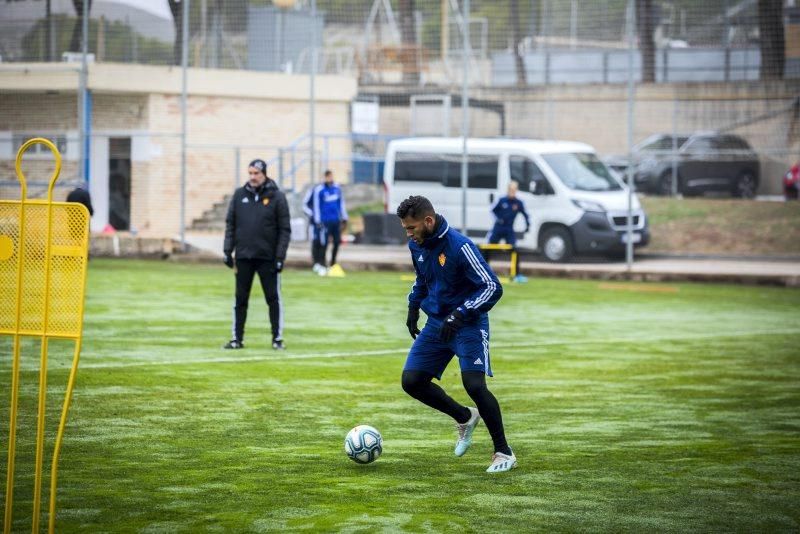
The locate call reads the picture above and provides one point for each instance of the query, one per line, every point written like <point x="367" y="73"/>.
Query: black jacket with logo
<point x="258" y="224"/>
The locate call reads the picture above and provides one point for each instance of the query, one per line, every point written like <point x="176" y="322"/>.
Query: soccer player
<point x="317" y="233"/>
<point x="330" y="213"/>
<point x="505" y="211"/>
<point x="257" y="233"/>
<point x="81" y="195"/>
<point x="456" y="289"/>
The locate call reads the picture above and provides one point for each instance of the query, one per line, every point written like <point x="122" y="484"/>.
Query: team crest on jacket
<point x="442" y="259"/>
<point x="265" y="201"/>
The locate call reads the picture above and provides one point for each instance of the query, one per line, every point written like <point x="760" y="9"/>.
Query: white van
<point x="575" y="203"/>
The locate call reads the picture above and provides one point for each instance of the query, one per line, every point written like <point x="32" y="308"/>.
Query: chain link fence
<point x="714" y="105"/>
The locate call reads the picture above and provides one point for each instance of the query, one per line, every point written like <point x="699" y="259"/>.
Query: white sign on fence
<point x="364" y="117"/>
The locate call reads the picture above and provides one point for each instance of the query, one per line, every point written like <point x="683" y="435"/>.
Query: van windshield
<point x="582" y="171"/>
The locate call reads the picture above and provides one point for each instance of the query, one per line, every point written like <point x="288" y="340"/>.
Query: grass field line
<point x="388" y="351"/>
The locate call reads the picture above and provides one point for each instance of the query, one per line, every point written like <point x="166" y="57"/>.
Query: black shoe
<point x="277" y="344"/>
<point x="233" y="344"/>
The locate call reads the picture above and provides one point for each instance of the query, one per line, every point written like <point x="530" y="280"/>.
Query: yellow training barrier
<point x="43" y="254"/>
<point x="505" y="248"/>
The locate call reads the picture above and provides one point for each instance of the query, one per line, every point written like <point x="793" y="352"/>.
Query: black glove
<point x="450" y="326"/>
<point x="411" y="322"/>
<point x="278" y="266"/>
<point x="228" y="260"/>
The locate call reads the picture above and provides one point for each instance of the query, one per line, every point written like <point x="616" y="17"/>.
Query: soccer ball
<point x="363" y="444"/>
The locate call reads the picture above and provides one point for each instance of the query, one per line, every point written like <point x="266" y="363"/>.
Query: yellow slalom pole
<point x="37" y="484"/>
<point x="12" y="431"/>
<point x="12" y="436"/>
<point x="60" y="435"/>
<point x="37" y="481"/>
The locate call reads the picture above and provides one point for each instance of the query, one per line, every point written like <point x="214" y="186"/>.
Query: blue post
<point x="87" y="140"/>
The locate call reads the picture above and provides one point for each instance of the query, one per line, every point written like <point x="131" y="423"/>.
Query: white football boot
<point x="502" y="463"/>
<point x="465" y="432"/>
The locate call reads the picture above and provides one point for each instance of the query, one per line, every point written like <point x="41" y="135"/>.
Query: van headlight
<point x="588" y="205"/>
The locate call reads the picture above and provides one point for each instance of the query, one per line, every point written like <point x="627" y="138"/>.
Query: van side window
<point x="529" y="176"/>
<point x="445" y="169"/>
<point x="481" y="171"/>
<point x="414" y="167"/>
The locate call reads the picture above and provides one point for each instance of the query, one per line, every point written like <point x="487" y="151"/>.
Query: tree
<point x="772" y="40"/>
<point x="77" y="30"/>
<point x="645" y="28"/>
<point x="176" y="7"/>
<point x="409" y="50"/>
<point x="48" y="16"/>
<point x="516" y="38"/>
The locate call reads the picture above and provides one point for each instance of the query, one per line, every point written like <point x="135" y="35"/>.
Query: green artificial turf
<point x="631" y="407"/>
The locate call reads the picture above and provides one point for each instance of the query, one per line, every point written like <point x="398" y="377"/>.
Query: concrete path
<point x="785" y="272"/>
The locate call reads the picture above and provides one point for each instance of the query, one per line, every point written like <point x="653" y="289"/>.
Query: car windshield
<point x="582" y="172"/>
<point x="659" y="143"/>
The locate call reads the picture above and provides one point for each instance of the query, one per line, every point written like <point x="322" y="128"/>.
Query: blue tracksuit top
<point x="451" y="274"/>
<point x="506" y="209"/>
<point x="327" y="204"/>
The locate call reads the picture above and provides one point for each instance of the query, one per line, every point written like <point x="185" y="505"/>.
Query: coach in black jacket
<point x="257" y="232"/>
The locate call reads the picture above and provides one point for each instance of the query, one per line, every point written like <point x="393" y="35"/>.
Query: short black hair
<point x="415" y="207"/>
<point x="328" y="172"/>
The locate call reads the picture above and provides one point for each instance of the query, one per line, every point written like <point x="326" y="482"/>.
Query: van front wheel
<point x="557" y="244"/>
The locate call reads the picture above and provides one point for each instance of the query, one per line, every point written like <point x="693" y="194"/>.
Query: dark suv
<point x="705" y="162"/>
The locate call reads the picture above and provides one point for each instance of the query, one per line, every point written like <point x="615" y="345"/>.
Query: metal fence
<point x="418" y="42"/>
<point x="586" y="71"/>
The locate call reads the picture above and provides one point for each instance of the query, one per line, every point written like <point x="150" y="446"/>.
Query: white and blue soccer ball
<point x="363" y="444"/>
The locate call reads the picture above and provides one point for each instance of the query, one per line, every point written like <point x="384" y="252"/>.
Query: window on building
<point x="19" y="139"/>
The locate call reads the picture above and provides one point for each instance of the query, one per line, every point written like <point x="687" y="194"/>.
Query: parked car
<point x="705" y="162"/>
<point x="791" y="182"/>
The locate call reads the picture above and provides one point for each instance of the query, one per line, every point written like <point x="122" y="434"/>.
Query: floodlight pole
<point x="312" y="95"/>
<point x="631" y="20"/>
<point x="184" y="86"/>
<point x="83" y="106"/>
<point x="465" y="119"/>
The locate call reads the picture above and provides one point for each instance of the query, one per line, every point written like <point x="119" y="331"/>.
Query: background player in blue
<point x="329" y="211"/>
<point x="505" y="211"/>
<point x="317" y="234"/>
<point x="455" y="288"/>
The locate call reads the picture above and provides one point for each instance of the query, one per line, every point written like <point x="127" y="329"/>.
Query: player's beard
<point x="427" y="233"/>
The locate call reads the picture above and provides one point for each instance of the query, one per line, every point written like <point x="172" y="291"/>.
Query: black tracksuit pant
<point x="333" y="234"/>
<point x="246" y="270"/>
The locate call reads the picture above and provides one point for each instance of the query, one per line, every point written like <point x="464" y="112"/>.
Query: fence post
<point x="236" y="166"/>
<point x="727" y="64"/>
<point x="280" y="167"/>
<point x="547" y="67"/>
<point x="293" y="168"/>
<point x="325" y="155"/>
<point x="674" y="155"/>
